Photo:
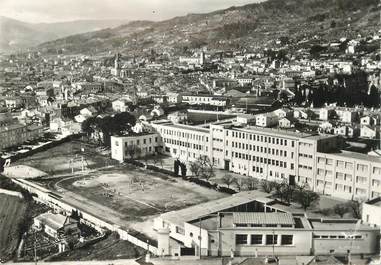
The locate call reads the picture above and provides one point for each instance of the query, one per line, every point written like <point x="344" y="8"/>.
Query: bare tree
<point x="356" y="207"/>
<point x="305" y="197"/>
<point x="207" y="167"/>
<point x="195" y="169"/>
<point x="341" y="209"/>
<point x="228" y="180"/>
<point x="267" y="186"/>
<point x="250" y="183"/>
<point x="133" y="151"/>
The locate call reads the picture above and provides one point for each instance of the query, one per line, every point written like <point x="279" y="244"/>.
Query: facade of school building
<point x="277" y="155"/>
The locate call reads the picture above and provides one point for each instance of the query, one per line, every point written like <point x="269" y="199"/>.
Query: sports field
<point x="136" y="192"/>
<point x="12" y="210"/>
<point x="63" y="158"/>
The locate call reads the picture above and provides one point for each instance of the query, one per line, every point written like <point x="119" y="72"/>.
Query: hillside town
<point x="211" y="156"/>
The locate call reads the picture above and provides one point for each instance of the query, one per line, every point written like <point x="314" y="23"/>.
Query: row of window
<point x="261" y="160"/>
<point x="184" y="144"/>
<point x="260" y="138"/>
<point x="191" y="136"/>
<point x="337" y="237"/>
<point x="261" y="149"/>
<point x="259" y="239"/>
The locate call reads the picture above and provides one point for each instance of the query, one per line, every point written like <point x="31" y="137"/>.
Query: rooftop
<point x="201" y="210"/>
<point x="263" y="218"/>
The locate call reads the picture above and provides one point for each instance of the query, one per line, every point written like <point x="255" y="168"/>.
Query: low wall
<point x="52" y="200"/>
<point x="11" y="193"/>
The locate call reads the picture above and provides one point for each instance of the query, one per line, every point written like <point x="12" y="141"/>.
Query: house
<point x="326" y="127"/>
<point x="369" y="132"/>
<point x="286" y="123"/>
<point x="283" y="113"/>
<point x="88" y="112"/>
<point x="326" y="113"/>
<point x="349" y="116"/>
<point x="12" y="103"/>
<point x="178" y="116"/>
<point x="157" y="111"/>
<point x="174" y="98"/>
<point x="245" y="118"/>
<point x="266" y="119"/>
<point x="57" y="225"/>
<point x="369" y="120"/>
<point x="340" y="130"/>
<point x="121" y="105"/>
<point x="300" y="114"/>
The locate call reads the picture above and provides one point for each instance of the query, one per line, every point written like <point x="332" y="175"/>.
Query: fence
<point x="11" y="193"/>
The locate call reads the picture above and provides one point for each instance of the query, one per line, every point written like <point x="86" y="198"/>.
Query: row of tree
<point x="283" y="191"/>
<point x="100" y="129"/>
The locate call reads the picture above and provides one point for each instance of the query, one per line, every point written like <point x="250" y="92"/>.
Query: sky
<point x="37" y="11"/>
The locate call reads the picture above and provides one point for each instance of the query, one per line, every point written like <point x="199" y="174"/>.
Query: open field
<point x="135" y="192"/>
<point x="12" y="210"/>
<point x="60" y="159"/>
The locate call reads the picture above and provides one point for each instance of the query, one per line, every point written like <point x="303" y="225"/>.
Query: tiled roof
<point x="263" y="218"/>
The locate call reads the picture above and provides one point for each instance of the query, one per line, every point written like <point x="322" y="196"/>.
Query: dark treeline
<point x="344" y="89"/>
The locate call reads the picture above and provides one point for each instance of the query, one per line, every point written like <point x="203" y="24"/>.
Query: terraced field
<point x="12" y="210"/>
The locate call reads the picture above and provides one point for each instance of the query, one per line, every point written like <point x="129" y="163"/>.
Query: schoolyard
<point x="136" y="192"/>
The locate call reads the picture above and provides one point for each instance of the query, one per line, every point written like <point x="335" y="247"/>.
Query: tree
<point x="206" y="167"/>
<point x="356" y="207"/>
<point x="341" y="209"/>
<point x="228" y="180"/>
<point x="250" y="183"/>
<point x="267" y="186"/>
<point x="183" y="168"/>
<point x="133" y="151"/>
<point x="305" y="197"/>
<point x="176" y="167"/>
<point x="195" y="169"/>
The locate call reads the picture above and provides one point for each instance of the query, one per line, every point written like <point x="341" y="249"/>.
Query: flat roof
<point x="286" y="133"/>
<point x="263" y="218"/>
<point x="357" y="156"/>
<point x="189" y="127"/>
<point x="339" y="224"/>
<point x="204" y="209"/>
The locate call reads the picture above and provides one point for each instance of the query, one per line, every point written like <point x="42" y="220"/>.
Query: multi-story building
<point x="139" y="145"/>
<point x="348" y="175"/>
<point x="219" y="101"/>
<point x="277" y="155"/>
<point x="251" y="223"/>
<point x="16" y="133"/>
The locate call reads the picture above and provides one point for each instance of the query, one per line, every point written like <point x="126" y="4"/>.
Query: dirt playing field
<point x="62" y="158"/>
<point x="135" y="192"/>
<point x="11" y="212"/>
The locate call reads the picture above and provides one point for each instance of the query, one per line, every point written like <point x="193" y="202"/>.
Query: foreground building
<point x="276" y="155"/>
<point x="250" y="224"/>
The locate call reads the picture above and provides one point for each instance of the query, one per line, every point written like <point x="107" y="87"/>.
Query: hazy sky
<point x="64" y="10"/>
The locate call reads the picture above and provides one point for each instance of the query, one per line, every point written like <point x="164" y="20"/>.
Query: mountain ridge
<point x="247" y="27"/>
<point x="16" y="34"/>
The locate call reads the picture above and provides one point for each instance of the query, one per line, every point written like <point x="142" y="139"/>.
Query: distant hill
<point x="15" y="35"/>
<point x="247" y="26"/>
